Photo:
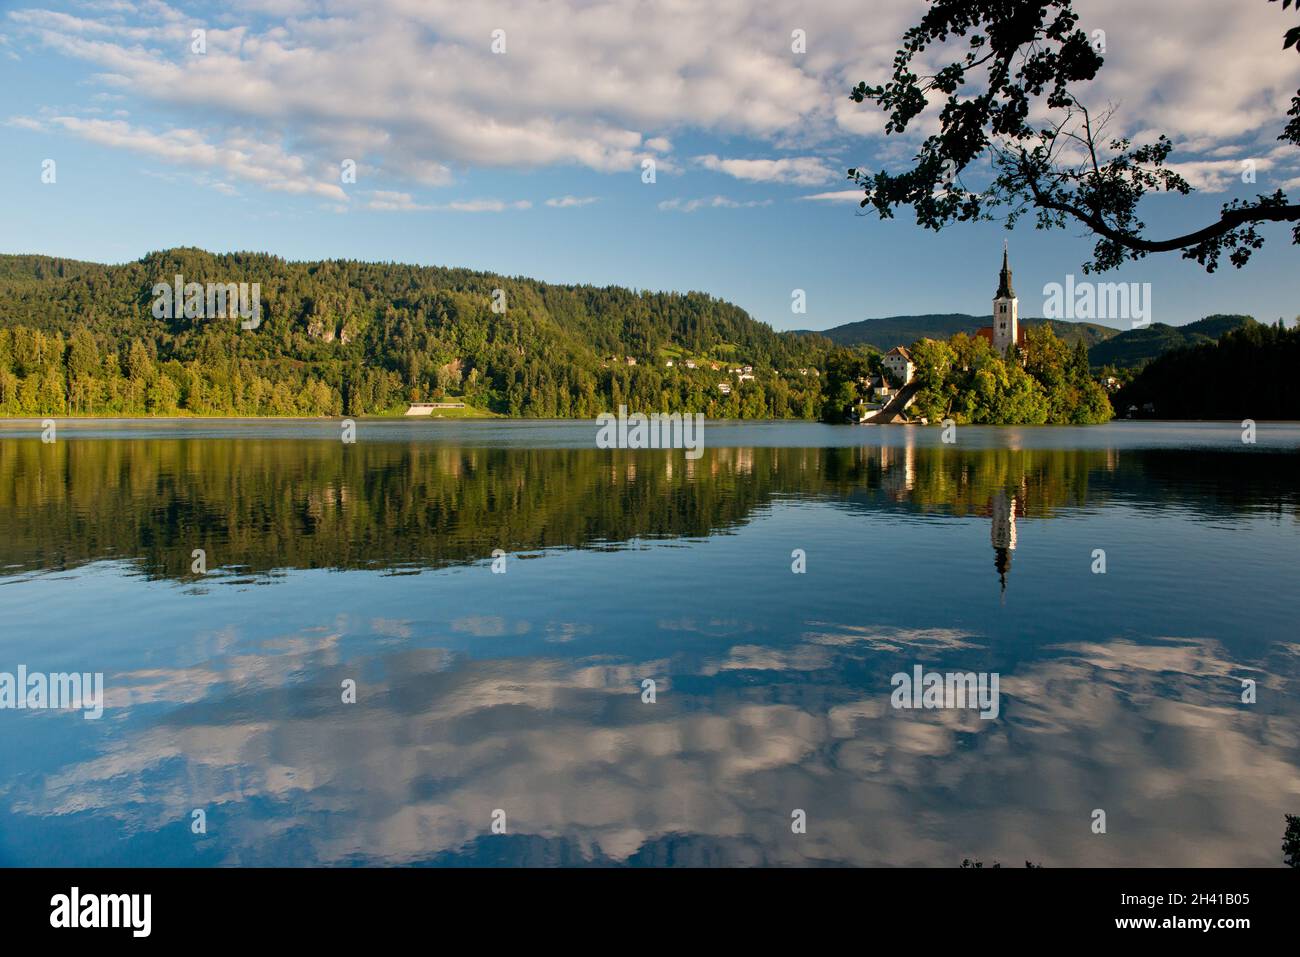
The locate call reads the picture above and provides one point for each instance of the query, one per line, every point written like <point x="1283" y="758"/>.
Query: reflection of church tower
<point x="1006" y="310"/>
<point x="1004" y="534"/>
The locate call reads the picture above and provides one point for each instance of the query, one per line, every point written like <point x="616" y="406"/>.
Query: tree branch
<point x="1229" y="220"/>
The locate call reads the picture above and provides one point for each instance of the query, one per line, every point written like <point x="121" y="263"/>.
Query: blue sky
<point x="528" y="162"/>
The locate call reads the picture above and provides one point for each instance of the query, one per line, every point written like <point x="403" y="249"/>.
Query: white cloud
<point x="390" y="201"/>
<point x="243" y="156"/>
<point x="414" y="91"/>
<point x="383" y="200"/>
<point x="424" y="172"/>
<point x="565" y="202"/>
<point x="486" y="205"/>
<point x="838" y="196"/>
<point x="1218" y="176"/>
<point x="710" y="202"/>
<point x="800" y="170"/>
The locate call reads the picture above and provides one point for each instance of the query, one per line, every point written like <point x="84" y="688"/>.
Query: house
<point x="881" y="388"/>
<point x="724" y="388"/>
<point x="669" y="363"/>
<point x="898" y="365"/>
<point x="745" y="377"/>
<point x="426" y="408"/>
<point x="690" y="363"/>
<point x="631" y="361"/>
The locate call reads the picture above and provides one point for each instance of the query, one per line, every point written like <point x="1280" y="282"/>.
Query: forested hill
<point x="890" y="331"/>
<point x="1249" y="373"/>
<point x="1136" y="347"/>
<point x="1107" y="346"/>
<point x="345" y="337"/>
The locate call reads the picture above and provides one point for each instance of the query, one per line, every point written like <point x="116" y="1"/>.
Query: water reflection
<point x="587" y="774"/>
<point x="1003" y="533"/>
<point x="260" y="505"/>
<point x="521" y="691"/>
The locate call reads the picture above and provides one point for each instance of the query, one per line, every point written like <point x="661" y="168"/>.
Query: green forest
<point x="963" y="379"/>
<point x="351" y="338"/>
<point x="354" y="338"/>
<point x="1249" y="373"/>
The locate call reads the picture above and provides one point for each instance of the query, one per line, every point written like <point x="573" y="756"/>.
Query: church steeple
<point x="1006" y="311"/>
<point x="1004" y="281"/>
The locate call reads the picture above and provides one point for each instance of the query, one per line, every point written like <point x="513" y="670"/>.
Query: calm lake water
<point x="521" y="692"/>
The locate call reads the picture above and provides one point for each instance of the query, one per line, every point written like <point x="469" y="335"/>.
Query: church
<point x="1006" y="314"/>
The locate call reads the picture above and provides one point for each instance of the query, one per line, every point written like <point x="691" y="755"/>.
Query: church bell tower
<point x="1006" y="310"/>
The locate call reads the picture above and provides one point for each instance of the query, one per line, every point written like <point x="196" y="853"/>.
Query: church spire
<point x="1004" y="281"/>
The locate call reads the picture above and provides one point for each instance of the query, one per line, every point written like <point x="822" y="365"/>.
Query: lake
<point x="495" y="596"/>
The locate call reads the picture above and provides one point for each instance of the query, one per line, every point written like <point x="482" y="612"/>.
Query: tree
<point x="1027" y="59"/>
<point x="83" y="355"/>
<point x="139" y="367"/>
<point x="934" y="361"/>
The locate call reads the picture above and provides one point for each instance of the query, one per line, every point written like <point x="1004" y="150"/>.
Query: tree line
<point x="1249" y="373"/>
<point x="354" y="338"/>
<point x="965" y="380"/>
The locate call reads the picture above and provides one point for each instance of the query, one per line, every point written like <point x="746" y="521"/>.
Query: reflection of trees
<point x="961" y="482"/>
<point x="265" y="504"/>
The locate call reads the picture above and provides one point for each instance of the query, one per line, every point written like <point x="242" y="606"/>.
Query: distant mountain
<point x="1137" y="347"/>
<point x="1130" y="348"/>
<point x="892" y="331"/>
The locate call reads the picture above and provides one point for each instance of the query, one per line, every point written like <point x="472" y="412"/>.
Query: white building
<point x="427" y="408"/>
<point x="898" y="364"/>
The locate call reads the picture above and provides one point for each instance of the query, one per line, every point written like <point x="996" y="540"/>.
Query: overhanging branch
<point x="1229" y="220"/>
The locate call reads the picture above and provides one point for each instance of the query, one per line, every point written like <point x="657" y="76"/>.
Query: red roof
<point x="986" y="333"/>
